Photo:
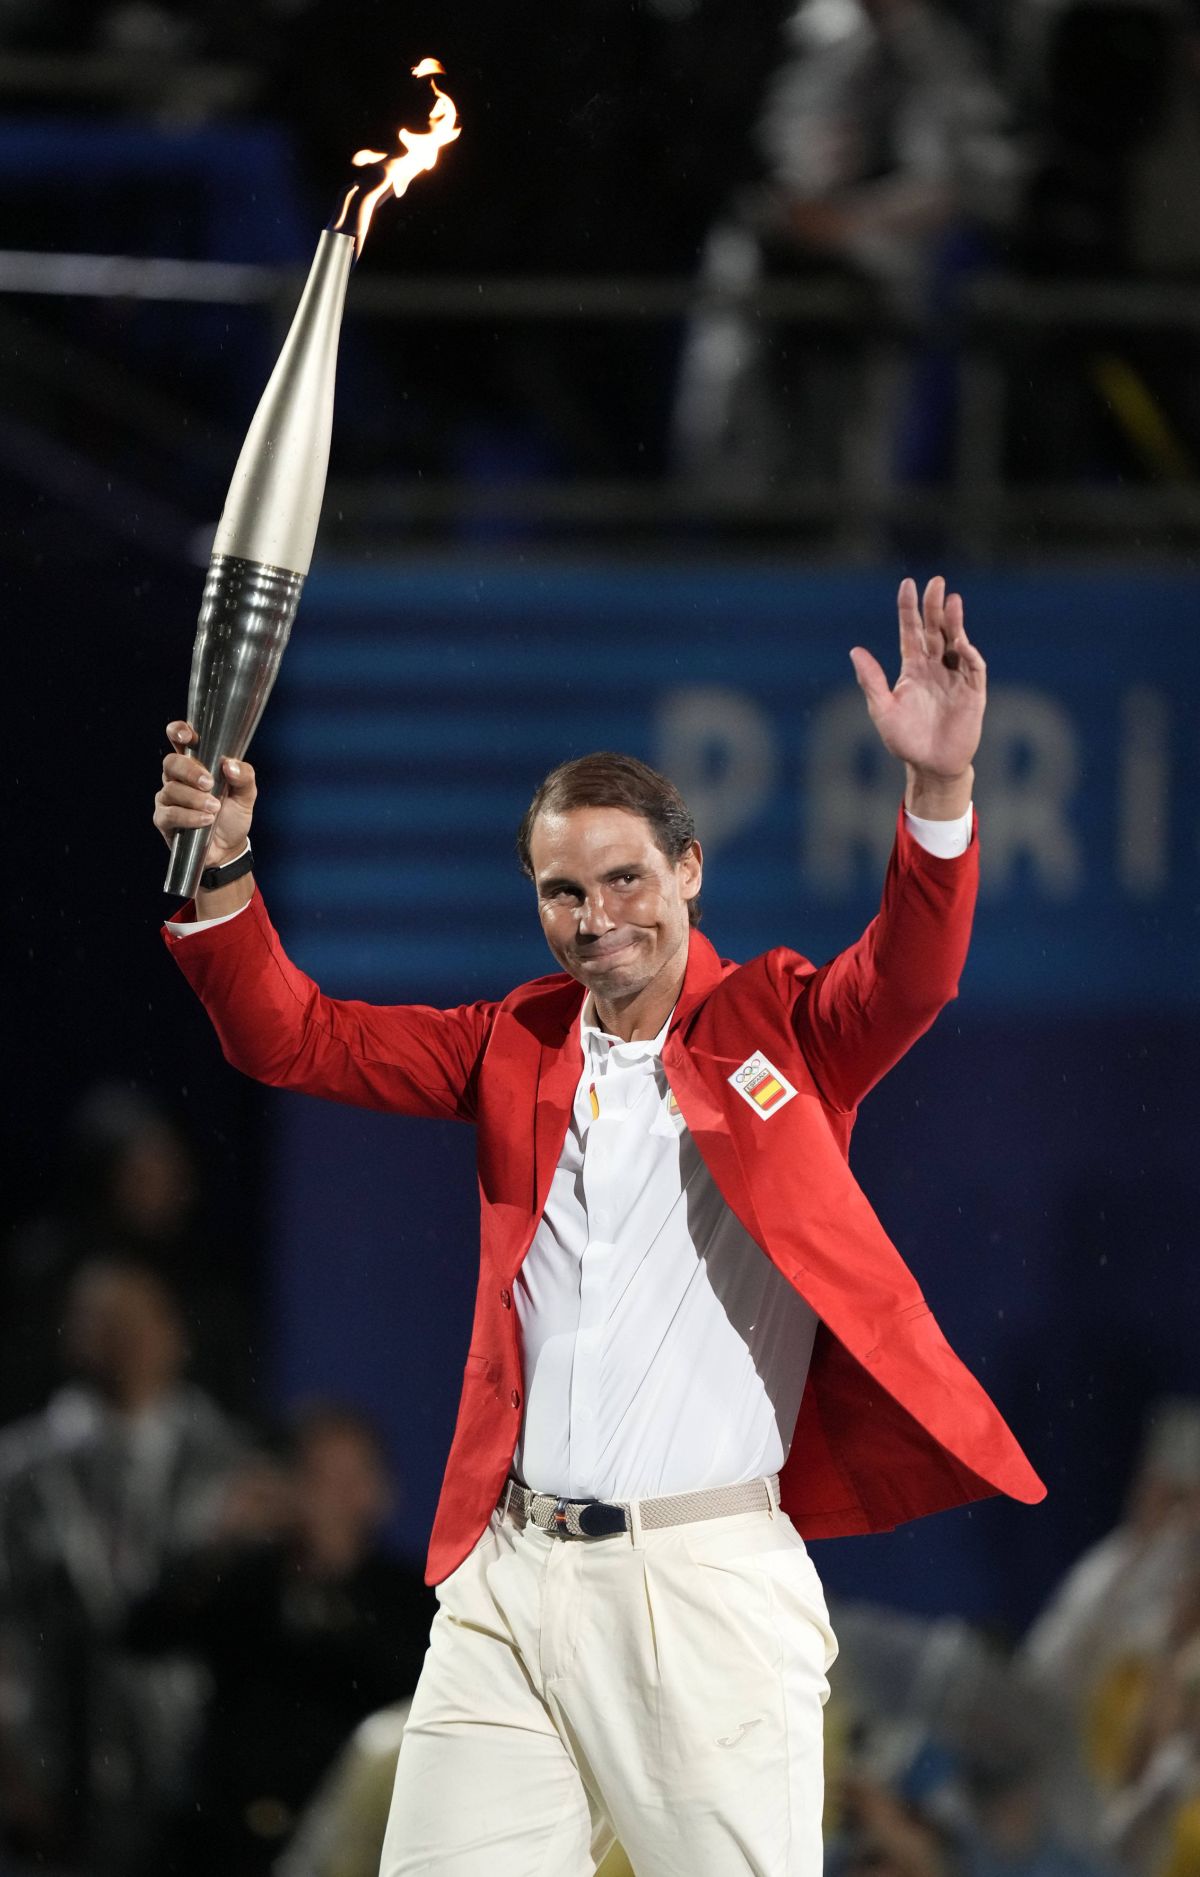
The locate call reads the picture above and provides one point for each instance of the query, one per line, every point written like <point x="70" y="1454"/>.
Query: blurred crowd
<point x="197" y="1608"/>
<point x="1074" y="1749"/>
<point x="908" y="152"/>
<point x="882" y="157"/>
<point x="207" y="1647"/>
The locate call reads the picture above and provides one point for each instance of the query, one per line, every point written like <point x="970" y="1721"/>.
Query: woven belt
<point x="594" y="1518"/>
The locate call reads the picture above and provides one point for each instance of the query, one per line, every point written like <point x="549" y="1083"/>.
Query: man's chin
<point x="623" y="977"/>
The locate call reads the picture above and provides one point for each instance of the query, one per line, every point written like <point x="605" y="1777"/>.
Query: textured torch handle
<point x="245" y="618"/>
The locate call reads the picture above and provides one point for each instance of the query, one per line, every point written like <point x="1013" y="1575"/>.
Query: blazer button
<point x="515" y="1398"/>
<point x="506" y="1299"/>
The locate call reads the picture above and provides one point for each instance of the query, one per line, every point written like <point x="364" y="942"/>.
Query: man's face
<point x="121" y="1330"/>
<point x="613" y="907"/>
<point x="342" y="1483"/>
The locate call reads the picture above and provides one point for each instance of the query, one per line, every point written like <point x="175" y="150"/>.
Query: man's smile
<point x="603" y="950"/>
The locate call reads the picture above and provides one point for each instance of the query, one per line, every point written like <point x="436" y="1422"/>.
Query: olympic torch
<point x="264" y="542"/>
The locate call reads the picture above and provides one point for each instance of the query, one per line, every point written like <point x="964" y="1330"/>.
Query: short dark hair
<point x="607" y="780"/>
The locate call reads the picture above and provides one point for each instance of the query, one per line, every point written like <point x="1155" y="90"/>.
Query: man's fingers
<point x="178" y="766"/>
<point x="970" y="662"/>
<point x="871" y="678"/>
<point x="239" y="776"/>
<point x="934" y="616"/>
<point x="179" y="792"/>
<point x="167" y="818"/>
<point x="944" y="630"/>
<point x="185" y="769"/>
<point x="177" y="806"/>
<point x="220" y="799"/>
<point x="935" y="629"/>
<point x="960" y="654"/>
<point x="912" y="642"/>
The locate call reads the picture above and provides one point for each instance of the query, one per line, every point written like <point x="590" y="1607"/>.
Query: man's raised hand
<point x="933" y="716"/>
<point x="186" y="798"/>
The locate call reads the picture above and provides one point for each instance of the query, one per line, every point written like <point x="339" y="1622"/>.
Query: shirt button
<point x="506" y="1299"/>
<point x="515" y="1398"/>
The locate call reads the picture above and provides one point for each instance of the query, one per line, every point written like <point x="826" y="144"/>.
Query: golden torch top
<point x="274" y="501"/>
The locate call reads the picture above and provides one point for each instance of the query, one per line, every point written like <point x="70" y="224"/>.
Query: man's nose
<point x="594" y="919"/>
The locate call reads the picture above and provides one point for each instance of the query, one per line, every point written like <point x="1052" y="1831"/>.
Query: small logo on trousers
<point x="731" y="1740"/>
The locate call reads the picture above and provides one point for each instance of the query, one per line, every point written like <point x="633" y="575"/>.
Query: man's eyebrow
<point x="554" y="883"/>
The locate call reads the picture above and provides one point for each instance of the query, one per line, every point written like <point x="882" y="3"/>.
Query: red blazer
<point x="891" y="1424"/>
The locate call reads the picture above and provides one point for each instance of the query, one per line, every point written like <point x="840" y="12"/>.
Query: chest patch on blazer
<point x="761" y="1084"/>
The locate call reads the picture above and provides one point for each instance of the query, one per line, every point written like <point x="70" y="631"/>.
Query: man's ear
<point x="691" y="867"/>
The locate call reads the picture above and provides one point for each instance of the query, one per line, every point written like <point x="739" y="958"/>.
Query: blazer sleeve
<point x="276" y="1025"/>
<point x="855" y="1016"/>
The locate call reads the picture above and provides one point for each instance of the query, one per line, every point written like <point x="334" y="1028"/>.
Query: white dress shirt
<point x="663" y="1351"/>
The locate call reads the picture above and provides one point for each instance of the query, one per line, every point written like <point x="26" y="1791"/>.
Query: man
<point x="1088" y="1652"/>
<point x="886" y="166"/>
<point x="306" y="1626"/>
<point x="632" y="1641"/>
<point x="124" y="1470"/>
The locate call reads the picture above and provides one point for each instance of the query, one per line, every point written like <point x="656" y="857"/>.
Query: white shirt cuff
<point x="946" y="840"/>
<point x="183" y="928"/>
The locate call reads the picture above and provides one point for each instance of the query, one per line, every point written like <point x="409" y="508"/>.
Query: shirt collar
<point x="599" y="1043"/>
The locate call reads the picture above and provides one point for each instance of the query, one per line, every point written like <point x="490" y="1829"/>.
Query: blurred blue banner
<point x="420" y="705"/>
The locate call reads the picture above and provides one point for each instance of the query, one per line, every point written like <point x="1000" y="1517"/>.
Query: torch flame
<point x="421" y="151"/>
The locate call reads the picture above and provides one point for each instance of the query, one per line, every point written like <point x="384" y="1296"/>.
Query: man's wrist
<point x="226" y="898"/>
<point x="936" y="797"/>
<point x="216" y="896"/>
<point x="225" y="872"/>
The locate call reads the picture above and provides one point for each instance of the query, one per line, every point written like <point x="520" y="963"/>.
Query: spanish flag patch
<point x="761" y="1084"/>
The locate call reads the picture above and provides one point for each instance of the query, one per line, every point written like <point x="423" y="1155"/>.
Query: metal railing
<point x="855" y="511"/>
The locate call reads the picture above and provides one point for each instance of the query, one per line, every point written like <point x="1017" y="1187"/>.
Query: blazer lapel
<point x="559" y="1070"/>
<point x="704" y="970"/>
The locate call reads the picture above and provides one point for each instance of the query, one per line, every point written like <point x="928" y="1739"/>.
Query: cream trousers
<point x="660" y="1692"/>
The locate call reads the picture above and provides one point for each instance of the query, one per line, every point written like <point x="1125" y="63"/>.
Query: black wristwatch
<point x="231" y="870"/>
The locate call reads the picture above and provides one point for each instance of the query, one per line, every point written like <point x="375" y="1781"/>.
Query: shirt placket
<point x="613" y="1089"/>
<point x="594" y="1272"/>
